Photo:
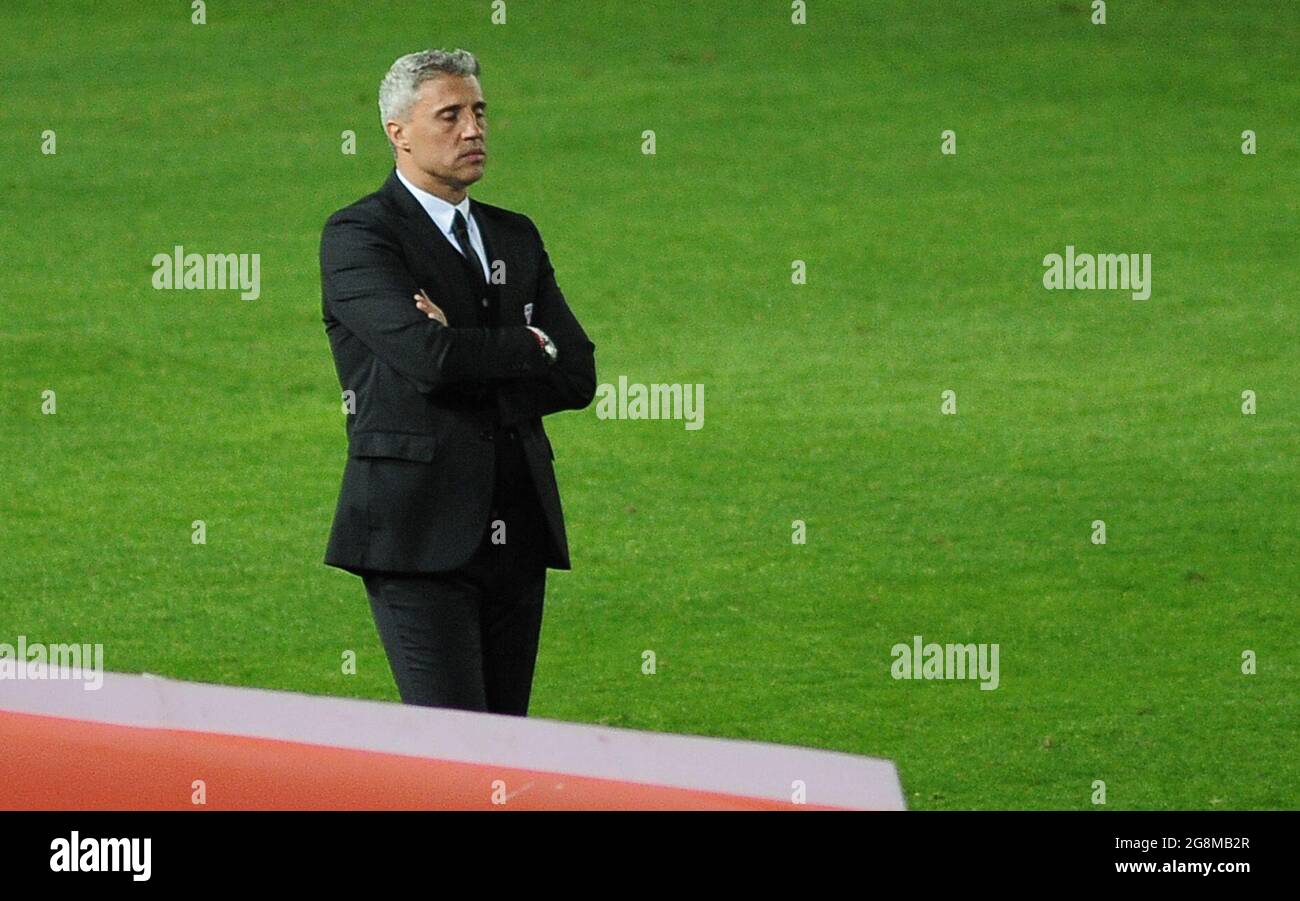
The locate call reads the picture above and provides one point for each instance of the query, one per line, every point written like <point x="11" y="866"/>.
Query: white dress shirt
<point x="443" y="215"/>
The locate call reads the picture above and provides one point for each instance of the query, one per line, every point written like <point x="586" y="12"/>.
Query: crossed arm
<point x="570" y="384"/>
<point x="368" y="289"/>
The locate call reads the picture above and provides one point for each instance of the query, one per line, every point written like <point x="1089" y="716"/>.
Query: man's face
<point x="446" y="131"/>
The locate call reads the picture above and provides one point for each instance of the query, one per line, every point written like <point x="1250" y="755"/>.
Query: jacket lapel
<point x="501" y="249"/>
<point x="434" y="257"/>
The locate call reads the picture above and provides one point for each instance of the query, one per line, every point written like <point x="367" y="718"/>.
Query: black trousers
<point x="467" y="638"/>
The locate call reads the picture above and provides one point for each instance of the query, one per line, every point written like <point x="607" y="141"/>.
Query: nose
<point x="472" y="131"/>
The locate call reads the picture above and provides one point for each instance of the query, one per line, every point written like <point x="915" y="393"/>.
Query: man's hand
<point x="429" y="308"/>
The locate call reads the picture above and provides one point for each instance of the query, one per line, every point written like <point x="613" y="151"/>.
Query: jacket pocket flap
<point x="398" y="445"/>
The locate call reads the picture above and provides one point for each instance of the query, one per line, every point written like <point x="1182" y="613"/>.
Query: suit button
<point x="485" y="301"/>
<point x="486" y="434"/>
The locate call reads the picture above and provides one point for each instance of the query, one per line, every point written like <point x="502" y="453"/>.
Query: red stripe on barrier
<point x="54" y="763"/>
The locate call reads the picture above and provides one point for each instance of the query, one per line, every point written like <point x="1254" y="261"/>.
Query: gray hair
<point x="398" y="90"/>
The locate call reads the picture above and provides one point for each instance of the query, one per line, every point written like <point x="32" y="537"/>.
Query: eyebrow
<point x="481" y="106"/>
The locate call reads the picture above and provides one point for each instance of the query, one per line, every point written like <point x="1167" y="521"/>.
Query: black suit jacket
<point x="418" y="482"/>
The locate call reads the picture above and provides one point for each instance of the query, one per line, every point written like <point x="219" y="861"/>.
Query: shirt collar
<point x="439" y="210"/>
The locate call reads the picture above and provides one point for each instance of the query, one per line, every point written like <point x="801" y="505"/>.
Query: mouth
<point x="474" y="156"/>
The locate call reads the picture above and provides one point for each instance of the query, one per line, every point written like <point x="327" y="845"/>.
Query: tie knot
<point x="459" y="223"/>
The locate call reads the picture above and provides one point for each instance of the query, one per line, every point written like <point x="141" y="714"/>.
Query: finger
<point x="429" y="308"/>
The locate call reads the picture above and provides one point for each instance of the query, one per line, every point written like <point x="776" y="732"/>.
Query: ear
<point x="396" y="134"/>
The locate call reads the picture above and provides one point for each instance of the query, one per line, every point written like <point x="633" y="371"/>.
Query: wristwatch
<point x="547" y="344"/>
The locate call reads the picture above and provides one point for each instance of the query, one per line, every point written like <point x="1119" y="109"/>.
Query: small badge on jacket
<point x="528" y="314"/>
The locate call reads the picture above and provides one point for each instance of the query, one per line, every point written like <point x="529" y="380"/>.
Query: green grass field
<point x="775" y="143"/>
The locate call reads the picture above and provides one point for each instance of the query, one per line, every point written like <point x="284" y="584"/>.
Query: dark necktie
<point x="461" y="231"/>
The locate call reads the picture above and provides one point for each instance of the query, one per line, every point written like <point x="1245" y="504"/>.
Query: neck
<point x="426" y="182"/>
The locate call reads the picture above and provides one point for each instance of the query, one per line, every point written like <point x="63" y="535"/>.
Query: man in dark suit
<point x="451" y="340"/>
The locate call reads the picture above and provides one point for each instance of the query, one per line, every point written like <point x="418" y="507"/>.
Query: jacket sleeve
<point x="367" y="288"/>
<point x="571" y="382"/>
